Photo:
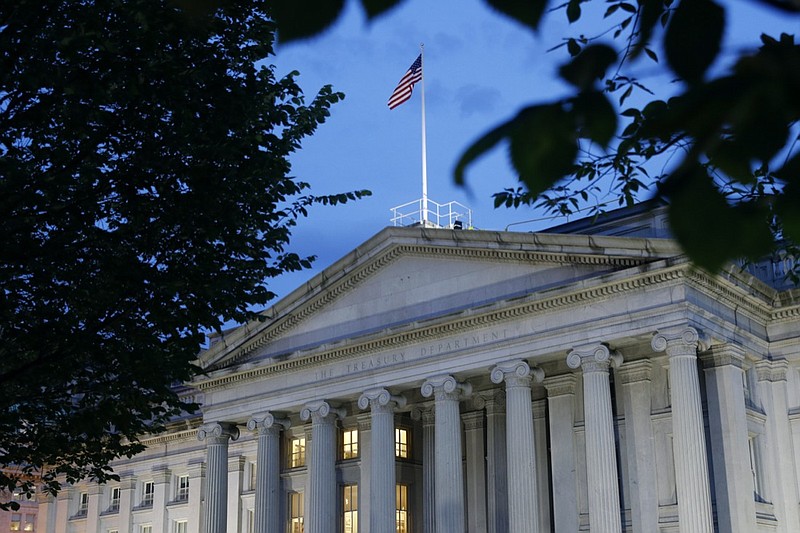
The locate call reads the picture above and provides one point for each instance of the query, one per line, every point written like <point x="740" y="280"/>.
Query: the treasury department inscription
<point x="418" y="352"/>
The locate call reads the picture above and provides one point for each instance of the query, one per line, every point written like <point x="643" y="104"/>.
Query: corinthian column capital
<point x="595" y="359"/>
<point x="380" y="398"/>
<point x="218" y="431"/>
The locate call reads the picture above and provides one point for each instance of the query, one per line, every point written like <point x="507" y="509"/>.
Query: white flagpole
<point x="424" y="143"/>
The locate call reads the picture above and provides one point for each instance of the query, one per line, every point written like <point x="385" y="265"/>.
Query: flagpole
<point x="424" y="143"/>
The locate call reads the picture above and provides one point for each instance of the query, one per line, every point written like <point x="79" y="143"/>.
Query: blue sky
<point x="480" y="68"/>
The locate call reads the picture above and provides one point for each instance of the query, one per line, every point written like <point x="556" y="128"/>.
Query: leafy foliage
<point x="145" y="197"/>
<point x="726" y="143"/>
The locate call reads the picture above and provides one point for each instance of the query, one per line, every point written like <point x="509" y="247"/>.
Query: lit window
<point x="30" y="520"/>
<point x="113" y="503"/>
<point x="349" y="443"/>
<point x="182" y="488"/>
<point x="297" y="452"/>
<point x="181" y="526"/>
<point x="401" y="508"/>
<point x="401" y="443"/>
<point x="295" y="512"/>
<point x="16" y="522"/>
<point x="148" y="490"/>
<point x="83" y="503"/>
<point x="350" y="508"/>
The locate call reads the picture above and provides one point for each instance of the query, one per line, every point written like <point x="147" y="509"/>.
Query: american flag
<point x="403" y="90"/>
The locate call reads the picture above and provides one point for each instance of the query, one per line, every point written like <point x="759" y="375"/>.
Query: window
<point x="16" y="522"/>
<point x="755" y="468"/>
<point x="296" y="512"/>
<point x="251" y="521"/>
<point x="146" y="528"/>
<point x="253" y="475"/>
<point x="182" y="488"/>
<point x="297" y="452"/>
<point x="349" y="443"/>
<point x="350" y="509"/>
<point x="83" y="503"/>
<point x="113" y="503"/>
<point x="30" y="520"/>
<point x="401" y="508"/>
<point x="113" y="531"/>
<point x="401" y="443"/>
<point x="148" y="490"/>
<point x="181" y="526"/>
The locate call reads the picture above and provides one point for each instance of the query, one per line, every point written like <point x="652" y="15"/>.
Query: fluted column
<point x="633" y="382"/>
<point x="772" y="383"/>
<point x="321" y="499"/>
<point x="217" y="435"/>
<point x="382" y="482"/>
<point x="730" y="452"/>
<point x="561" y="403"/>
<point x="523" y="501"/>
<point x="449" y="480"/>
<point x="689" y="441"/>
<point x="428" y="471"/>
<point x="496" y="462"/>
<point x="268" y="471"/>
<point x="601" y="456"/>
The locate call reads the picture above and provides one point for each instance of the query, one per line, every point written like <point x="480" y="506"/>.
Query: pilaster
<point x="601" y="458"/>
<point x="428" y="470"/>
<point x="496" y="461"/>
<point x="730" y="453"/>
<point x="161" y="479"/>
<point x="365" y="452"/>
<point x="689" y="442"/>
<point x="476" y="471"/>
<point x="197" y="477"/>
<point x="561" y="403"/>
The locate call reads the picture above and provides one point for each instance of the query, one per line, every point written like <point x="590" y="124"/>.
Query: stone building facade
<point x="583" y="379"/>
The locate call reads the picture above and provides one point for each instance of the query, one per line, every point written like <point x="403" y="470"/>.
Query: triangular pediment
<point x="404" y="276"/>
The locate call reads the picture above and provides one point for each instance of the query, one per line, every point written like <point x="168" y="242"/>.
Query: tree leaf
<point x="374" y="8"/>
<point x="596" y="117"/>
<point x="573" y="10"/>
<point x="590" y="65"/>
<point x="297" y="19"/>
<point x="485" y="143"/>
<point x="527" y="12"/>
<point x="693" y="38"/>
<point x="543" y="145"/>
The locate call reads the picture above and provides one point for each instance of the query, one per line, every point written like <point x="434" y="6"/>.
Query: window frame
<point x="349" y="493"/>
<point x="181" y="490"/>
<point x="148" y="493"/>
<point x="296" y="456"/>
<point x="398" y="444"/>
<point x="294" y="513"/>
<point x="401" y="508"/>
<point x="114" y="499"/>
<point x="348" y="444"/>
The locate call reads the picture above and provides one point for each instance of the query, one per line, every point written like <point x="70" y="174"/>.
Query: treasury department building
<point x="586" y="378"/>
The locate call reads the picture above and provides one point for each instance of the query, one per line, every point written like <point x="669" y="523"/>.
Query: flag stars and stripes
<point x="403" y="90"/>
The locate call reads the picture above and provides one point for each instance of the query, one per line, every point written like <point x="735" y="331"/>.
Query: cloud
<point x="476" y="99"/>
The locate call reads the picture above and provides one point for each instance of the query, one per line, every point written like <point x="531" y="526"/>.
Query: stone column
<point x="365" y="454"/>
<point x="633" y="382"/>
<point x="689" y="438"/>
<point x="730" y="453"/>
<point x="542" y="473"/>
<point x="496" y="462"/>
<point x="523" y="500"/>
<point x="449" y="480"/>
<point x="476" y="471"/>
<point x="217" y="435"/>
<point x="161" y="479"/>
<point x="322" y="495"/>
<point x="601" y="457"/>
<point x="381" y="402"/>
<point x="561" y="403"/>
<point x="428" y="472"/>
<point x="267" y="505"/>
<point x="772" y="382"/>
<point x="197" y="476"/>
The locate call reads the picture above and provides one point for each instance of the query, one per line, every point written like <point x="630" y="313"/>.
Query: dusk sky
<point x="480" y="68"/>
